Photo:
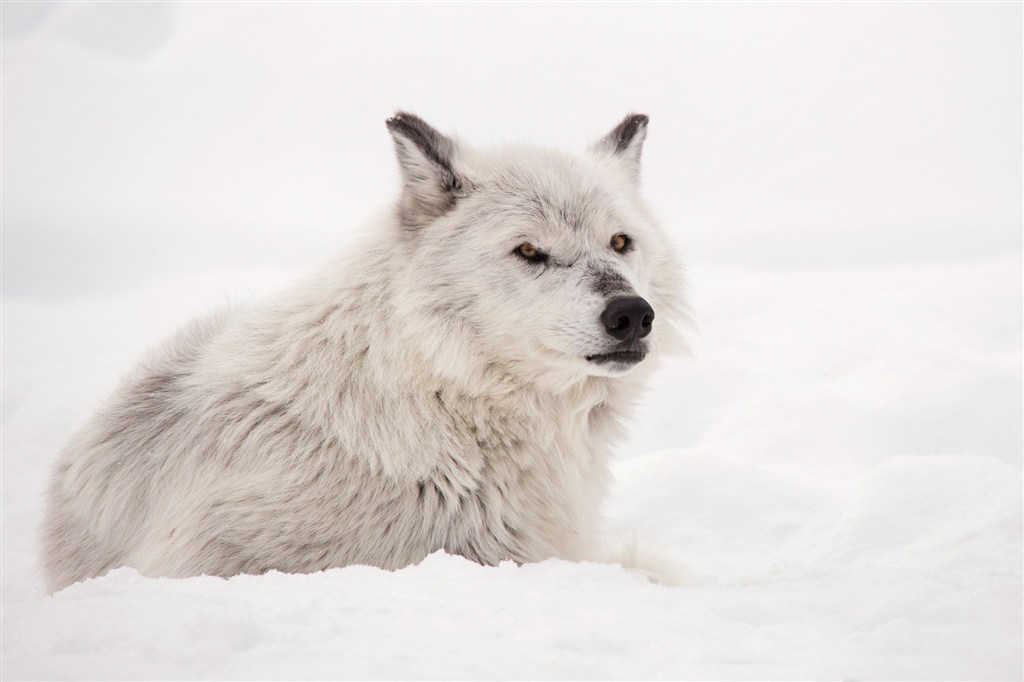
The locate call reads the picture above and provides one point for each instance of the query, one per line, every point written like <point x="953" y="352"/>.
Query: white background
<point x="844" y="181"/>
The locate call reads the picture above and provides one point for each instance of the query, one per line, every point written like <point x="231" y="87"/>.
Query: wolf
<point x="454" y="381"/>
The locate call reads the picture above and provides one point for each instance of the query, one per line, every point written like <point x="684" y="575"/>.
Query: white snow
<point x="838" y="467"/>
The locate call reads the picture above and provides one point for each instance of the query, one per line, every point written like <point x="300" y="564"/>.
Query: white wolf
<point x="452" y="382"/>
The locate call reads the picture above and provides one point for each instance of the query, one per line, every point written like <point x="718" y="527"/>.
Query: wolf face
<point x="547" y="260"/>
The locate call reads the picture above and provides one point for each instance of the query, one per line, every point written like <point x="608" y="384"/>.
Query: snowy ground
<point x="838" y="468"/>
<point x="847" y="505"/>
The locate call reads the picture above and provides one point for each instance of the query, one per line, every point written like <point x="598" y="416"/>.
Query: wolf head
<point x="540" y="264"/>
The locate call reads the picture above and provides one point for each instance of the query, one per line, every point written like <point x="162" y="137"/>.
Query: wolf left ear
<point x="625" y="141"/>
<point x="426" y="158"/>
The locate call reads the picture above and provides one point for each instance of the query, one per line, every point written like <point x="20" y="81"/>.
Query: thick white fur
<point x="427" y="390"/>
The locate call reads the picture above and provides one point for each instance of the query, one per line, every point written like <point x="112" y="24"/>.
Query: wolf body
<point x="453" y="381"/>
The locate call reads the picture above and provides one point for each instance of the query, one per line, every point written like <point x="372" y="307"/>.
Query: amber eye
<point x="529" y="252"/>
<point x="621" y="242"/>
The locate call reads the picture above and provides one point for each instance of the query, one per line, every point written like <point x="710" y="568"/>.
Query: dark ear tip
<point x="638" y="120"/>
<point x="632" y="124"/>
<point x="404" y="121"/>
<point x="627" y="130"/>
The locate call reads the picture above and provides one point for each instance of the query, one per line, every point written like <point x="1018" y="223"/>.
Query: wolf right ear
<point x="426" y="158"/>
<point x="625" y="142"/>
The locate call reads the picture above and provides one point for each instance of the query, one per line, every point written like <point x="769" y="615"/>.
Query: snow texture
<point x="837" y="469"/>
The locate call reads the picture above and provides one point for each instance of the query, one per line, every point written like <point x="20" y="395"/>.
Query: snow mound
<point x="904" y="572"/>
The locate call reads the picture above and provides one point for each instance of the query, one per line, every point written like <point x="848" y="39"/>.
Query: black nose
<point x="628" y="318"/>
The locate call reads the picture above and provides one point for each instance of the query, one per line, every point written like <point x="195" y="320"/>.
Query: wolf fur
<point x="428" y="390"/>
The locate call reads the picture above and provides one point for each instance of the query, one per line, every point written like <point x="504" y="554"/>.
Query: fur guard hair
<point x="432" y="389"/>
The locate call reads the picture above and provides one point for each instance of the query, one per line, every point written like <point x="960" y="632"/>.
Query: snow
<point x="876" y="586"/>
<point x="837" y="469"/>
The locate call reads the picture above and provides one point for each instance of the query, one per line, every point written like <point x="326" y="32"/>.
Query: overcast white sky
<point x="142" y="141"/>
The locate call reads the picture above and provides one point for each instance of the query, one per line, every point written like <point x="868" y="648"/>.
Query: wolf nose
<point x="628" y="318"/>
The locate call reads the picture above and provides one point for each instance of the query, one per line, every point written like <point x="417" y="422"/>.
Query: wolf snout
<point x="628" y="318"/>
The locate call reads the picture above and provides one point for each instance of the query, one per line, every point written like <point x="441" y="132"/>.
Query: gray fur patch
<point x="608" y="282"/>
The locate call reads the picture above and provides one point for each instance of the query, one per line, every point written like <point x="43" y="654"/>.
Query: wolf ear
<point x="625" y="141"/>
<point x="425" y="156"/>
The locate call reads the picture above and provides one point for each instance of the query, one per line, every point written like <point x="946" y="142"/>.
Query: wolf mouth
<point x="629" y="357"/>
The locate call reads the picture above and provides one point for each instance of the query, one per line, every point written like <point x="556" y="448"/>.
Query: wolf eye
<point x="621" y="242"/>
<point x="529" y="252"/>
